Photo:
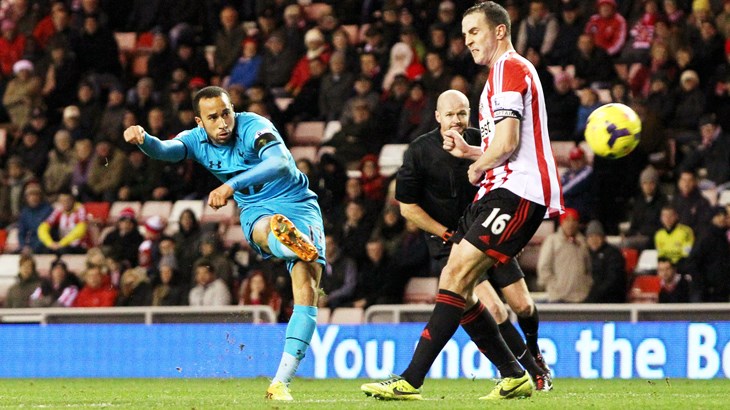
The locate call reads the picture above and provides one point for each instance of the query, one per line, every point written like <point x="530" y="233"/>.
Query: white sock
<point x="287" y="368"/>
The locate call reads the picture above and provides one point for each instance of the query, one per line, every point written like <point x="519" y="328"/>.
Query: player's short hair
<point x="493" y="12"/>
<point x="208" y="92"/>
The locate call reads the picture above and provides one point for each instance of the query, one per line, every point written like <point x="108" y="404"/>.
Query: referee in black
<point x="433" y="190"/>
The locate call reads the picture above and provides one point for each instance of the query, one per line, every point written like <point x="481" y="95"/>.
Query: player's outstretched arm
<point x="455" y="144"/>
<point x="171" y="150"/>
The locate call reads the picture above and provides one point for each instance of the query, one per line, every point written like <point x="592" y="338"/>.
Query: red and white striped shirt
<point x="513" y="89"/>
<point x="66" y="222"/>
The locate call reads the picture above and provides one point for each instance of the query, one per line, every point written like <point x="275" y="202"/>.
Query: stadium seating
<point x="43" y="263"/>
<point x="305" y="152"/>
<point x="323" y="315"/>
<point x="421" y="290"/>
<point x="391" y="158"/>
<point x="98" y="212"/>
<point x="347" y="316"/>
<point x="711" y="195"/>
<point x="75" y="263"/>
<point x="308" y="133"/>
<point x="561" y="151"/>
<point x="118" y="206"/>
<point x="233" y="235"/>
<point x="12" y="242"/>
<point x="724" y="199"/>
<point x="645" y="289"/>
<point x="588" y="151"/>
<point x="647" y="261"/>
<point x="3" y="238"/>
<point x="195" y="205"/>
<point x="152" y="208"/>
<point x="225" y="215"/>
<point x="631" y="257"/>
<point x="330" y="130"/>
<point x="282" y="103"/>
<point x="8" y="274"/>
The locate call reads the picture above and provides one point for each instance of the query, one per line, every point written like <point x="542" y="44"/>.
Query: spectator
<point x="564" y="264"/>
<point x="689" y="106"/>
<point x="402" y="61"/>
<point x="245" y="70"/>
<point x="417" y="117"/>
<point x="228" y="41"/>
<point x="693" y="208"/>
<point x="278" y="62"/>
<point x="61" y="163"/>
<point x="123" y="242"/>
<point x="538" y="30"/>
<point x="170" y="291"/>
<point x="335" y="88"/>
<point x="642" y="35"/>
<point x="61" y="78"/>
<point x="588" y="103"/>
<point x="391" y="105"/>
<point x="562" y="108"/>
<point x="18" y="295"/>
<point x="70" y="223"/>
<point x="546" y="77"/>
<point x="14" y="180"/>
<point x="571" y="26"/>
<point x="660" y="100"/>
<point x="161" y="60"/>
<point x="97" y="50"/>
<point x="378" y="281"/>
<point x="458" y="58"/>
<point x="372" y="69"/>
<point x="105" y="172"/>
<point x="71" y="122"/>
<point x="142" y="98"/>
<point x="35" y="211"/>
<point x="339" y="278"/>
<point x="607" y="268"/>
<point x="187" y="245"/>
<point x="22" y="93"/>
<point x="437" y="77"/>
<point x="673" y="240"/>
<point x="578" y="188"/>
<point x="645" y="213"/>
<point x="89" y="108"/>
<point x="709" y="260"/>
<point x="134" y="289"/>
<point x="675" y="288"/>
<point x="709" y="51"/>
<point x="317" y="48"/>
<point x="191" y="60"/>
<point x="713" y="154"/>
<point x="341" y="43"/>
<point x="363" y="90"/>
<point x="356" y="139"/>
<point x="593" y="66"/>
<point x="211" y="253"/>
<point x="97" y="290"/>
<point x="305" y="106"/>
<point x="293" y="30"/>
<point x="12" y="46"/>
<point x="33" y="151"/>
<point x="372" y="181"/>
<point x="256" y="289"/>
<point x="410" y="257"/>
<point x="139" y="178"/>
<point x="149" y="250"/>
<point x="355" y="231"/>
<point x="390" y="228"/>
<point x="60" y="290"/>
<point x="607" y="27"/>
<point x="209" y="289"/>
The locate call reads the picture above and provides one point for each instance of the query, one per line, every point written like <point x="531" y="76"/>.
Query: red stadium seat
<point x="308" y="133"/>
<point x="3" y="238"/>
<point x="347" y="316"/>
<point x="421" y="290"/>
<point x="98" y="212"/>
<point x="118" y="206"/>
<point x="631" y="256"/>
<point x="645" y="289"/>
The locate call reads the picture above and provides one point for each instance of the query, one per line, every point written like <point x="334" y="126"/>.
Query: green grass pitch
<point x="335" y="394"/>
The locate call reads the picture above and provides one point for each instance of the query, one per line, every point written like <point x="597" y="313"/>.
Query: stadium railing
<point x="141" y="315"/>
<point x="583" y="312"/>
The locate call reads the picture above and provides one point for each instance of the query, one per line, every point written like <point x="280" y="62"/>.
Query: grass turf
<point x="336" y="394"/>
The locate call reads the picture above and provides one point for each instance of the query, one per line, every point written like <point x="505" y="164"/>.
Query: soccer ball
<point x="613" y="130"/>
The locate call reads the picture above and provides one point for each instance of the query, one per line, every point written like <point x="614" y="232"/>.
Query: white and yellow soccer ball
<point x="613" y="130"/>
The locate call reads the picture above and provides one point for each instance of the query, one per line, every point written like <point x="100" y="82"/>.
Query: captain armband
<point x="263" y="140"/>
<point x="501" y="114"/>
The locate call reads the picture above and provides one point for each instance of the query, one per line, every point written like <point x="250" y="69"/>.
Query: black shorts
<point x="500" y="224"/>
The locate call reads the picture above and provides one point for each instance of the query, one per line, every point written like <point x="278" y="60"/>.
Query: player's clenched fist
<point x="134" y="135"/>
<point x="219" y="196"/>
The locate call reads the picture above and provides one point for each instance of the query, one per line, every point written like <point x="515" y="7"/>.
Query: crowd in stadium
<point x="74" y="74"/>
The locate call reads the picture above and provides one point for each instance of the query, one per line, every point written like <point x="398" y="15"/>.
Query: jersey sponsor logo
<point x="212" y="164"/>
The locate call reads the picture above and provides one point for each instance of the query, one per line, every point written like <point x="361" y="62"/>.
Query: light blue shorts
<point x="305" y="214"/>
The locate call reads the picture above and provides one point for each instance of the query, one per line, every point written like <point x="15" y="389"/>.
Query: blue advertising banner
<point x="581" y="349"/>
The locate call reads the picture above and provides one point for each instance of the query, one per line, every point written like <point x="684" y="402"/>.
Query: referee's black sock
<point x="529" y="326"/>
<point x="517" y="345"/>
<point x="484" y="332"/>
<point x="442" y="325"/>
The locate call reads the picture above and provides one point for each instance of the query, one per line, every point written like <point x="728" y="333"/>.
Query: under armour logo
<point x="240" y="153"/>
<point x="616" y="134"/>
<point x="211" y="164"/>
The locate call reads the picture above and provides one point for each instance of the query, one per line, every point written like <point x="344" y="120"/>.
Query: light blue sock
<point x="279" y="250"/>
<point x="299" y="333"/>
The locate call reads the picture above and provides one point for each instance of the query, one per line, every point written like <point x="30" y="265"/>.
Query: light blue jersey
<point x="240" y="155"/>
<point x="288" y="193"/>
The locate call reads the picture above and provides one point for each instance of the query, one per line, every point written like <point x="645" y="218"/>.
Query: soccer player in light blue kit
<point x="279" y="214"/>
